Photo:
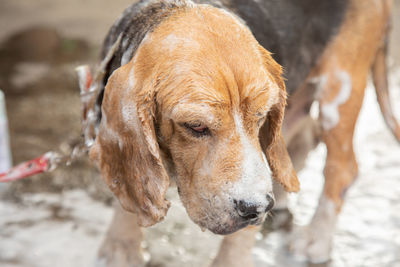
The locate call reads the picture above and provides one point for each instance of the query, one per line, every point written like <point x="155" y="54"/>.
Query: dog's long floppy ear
<point x="270" y="134"/>
<point x="127" y="151"/>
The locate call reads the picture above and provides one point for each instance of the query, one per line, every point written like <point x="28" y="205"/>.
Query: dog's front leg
<point x="122" y="244"/>
<point x="235" y="249"/>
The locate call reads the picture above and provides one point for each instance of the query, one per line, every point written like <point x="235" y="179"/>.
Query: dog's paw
<point x="307" y="244"/>
<point x="119" y="253"/>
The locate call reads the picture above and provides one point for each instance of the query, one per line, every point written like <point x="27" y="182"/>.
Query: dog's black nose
<point x="246" y="210"/>
<point x="251" y="211"/>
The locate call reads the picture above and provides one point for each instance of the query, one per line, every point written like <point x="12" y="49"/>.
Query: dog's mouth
<point x="224" y="215"/>
<point x="234" y="224"/>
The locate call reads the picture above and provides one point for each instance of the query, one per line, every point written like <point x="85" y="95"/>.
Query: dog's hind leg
<point x="339" y="109"/>
<point x="342" y="72"/>
<point x="122" y="244"/>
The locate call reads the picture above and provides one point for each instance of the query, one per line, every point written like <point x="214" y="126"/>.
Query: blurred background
<point x="60" y="218"/>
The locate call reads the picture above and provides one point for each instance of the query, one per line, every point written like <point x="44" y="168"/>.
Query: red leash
<point x="45" y="163"/>
<point x="38" y="165"/>
<point x="50" y="160"/>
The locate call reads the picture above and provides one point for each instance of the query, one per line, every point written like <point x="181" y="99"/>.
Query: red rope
<point x="28" y="168"/>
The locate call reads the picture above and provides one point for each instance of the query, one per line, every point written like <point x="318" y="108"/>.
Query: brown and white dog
<point x="191" y="93"/>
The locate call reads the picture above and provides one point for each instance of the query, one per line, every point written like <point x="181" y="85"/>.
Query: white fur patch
<point x="255" y="182"/>
<point x="126" y="57"/>
<point x="314" y="110"/>
<point x="172" y="42"/>
<point x="330" y="111"/>
<point x="147" y="38"/>
<point x="129" y="115"/>
<point x="320" y="83"/>
<point x="129" y="109"/>
<point x="131" y="78"/>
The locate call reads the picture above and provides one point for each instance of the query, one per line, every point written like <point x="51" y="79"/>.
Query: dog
<point x="191" y="93"/>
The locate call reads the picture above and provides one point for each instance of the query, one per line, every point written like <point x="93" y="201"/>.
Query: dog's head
<point x="202" y="103"/>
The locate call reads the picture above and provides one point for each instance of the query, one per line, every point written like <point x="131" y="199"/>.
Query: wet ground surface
<point x="59" y="219"/>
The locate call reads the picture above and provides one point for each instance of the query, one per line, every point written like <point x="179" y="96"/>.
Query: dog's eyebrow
<point x="256" y="88"/>
<point x="264" y="95"/>
<point x="193" y="111"/>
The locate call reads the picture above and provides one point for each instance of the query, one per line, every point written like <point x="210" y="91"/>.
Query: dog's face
<point x="202" y="103"/>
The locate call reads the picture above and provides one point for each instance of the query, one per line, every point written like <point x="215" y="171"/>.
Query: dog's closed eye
<point x="198" y="129"/>
<point x="261" y="118"/>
